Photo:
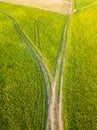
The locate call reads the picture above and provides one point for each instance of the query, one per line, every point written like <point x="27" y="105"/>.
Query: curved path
<point x="55" y="84"/>
<point x="32" y="49"/>
<point x="60" y="124"/>
<point x="60" y="65"/>
<point x="58" y="71"/>
<point x="54" y="123"/>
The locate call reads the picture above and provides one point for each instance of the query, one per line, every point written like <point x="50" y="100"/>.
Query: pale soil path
<point x="60" y="123"/>
<point x="54" y="85"/>
<point x="60" y="62"/>
<point x="68" y="7"/>
<point x="69" y="10"/>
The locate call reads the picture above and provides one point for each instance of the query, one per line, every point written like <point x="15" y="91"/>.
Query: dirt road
<point x="60" y="62"/>
<point x="60" y="123"/>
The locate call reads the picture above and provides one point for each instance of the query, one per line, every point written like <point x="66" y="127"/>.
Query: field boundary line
<point x="32" y="49"/>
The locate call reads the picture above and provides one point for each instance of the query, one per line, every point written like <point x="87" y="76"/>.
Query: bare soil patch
<point x="51" y="5"/>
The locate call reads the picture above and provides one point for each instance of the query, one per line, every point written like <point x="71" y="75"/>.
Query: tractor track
<point x="57" y="124"/>
<point x="31" y="49"/>
<point x="58" y="77"/>
<point x="54" y="84"/>
<point x="51" y="83"/>
<point x="60" y="124"/>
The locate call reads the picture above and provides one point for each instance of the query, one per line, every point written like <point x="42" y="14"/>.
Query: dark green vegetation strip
<point x="23" y="99"/>
<point x="80" y="77"/>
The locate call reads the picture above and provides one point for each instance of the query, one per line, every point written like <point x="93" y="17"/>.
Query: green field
<point x="42" y="50"/>
<point x="43" y="28"/>
<point x="40" y="29"/>
<point x="82" y="3"/>
<point x="80" y="77"/>
<point x="23" y="96"/>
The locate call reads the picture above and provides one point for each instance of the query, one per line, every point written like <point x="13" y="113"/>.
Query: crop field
<point x="22" y="87"/>
<point x="80" y="76"/>
<point x="82" y="3"/>
<point x="48" y="67"/>
<point x="44" y="40"/>
<point x="41" y="28"/>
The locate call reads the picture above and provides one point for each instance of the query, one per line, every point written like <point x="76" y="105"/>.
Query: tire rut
<point x="57" y="124"/>
<point x="58" y="76"/>
<point x="60" y="125"/>
<point x="31" y="49"/>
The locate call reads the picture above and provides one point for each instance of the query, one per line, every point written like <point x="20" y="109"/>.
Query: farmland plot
<point x="43" y="28"/>
<point x="42" y="32"/>
<point x="23" y="98"/>
<point x="80" y="77"/>
<point x="82" y="3"/>
<point x="24" y="73"/>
